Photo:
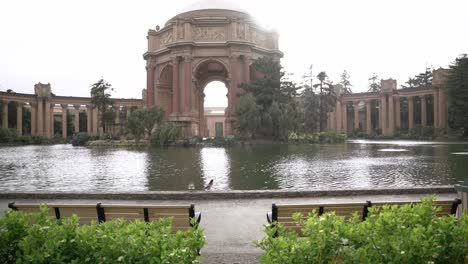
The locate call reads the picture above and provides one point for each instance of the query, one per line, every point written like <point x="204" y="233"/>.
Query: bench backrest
<point x="283" y="213"/>
<point x="180" y="214"/>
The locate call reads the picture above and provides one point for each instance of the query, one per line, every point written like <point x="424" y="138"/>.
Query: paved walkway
<point x="231" y="225"/>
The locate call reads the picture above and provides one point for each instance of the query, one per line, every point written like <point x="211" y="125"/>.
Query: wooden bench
<point x="283" y="213"/>
<point x="181" y="214"/>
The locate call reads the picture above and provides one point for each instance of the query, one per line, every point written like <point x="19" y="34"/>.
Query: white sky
<point x="72" y="44"/>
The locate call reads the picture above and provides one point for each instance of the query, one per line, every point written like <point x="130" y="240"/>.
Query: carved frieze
<point x="203" y="33"/>
<point x="180" y="32"/>
<point x="240" y="31"/>
<point x="258" y="38"/>
<point x="165" y="38"/>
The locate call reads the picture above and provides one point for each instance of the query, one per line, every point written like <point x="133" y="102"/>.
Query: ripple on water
<point x="459" y="153"/>
<point x="392" y="150"/>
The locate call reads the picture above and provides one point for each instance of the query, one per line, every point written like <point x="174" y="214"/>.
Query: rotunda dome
<point x="213" y="4"/>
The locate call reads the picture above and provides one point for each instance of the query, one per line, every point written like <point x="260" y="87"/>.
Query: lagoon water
<point x="354" y="164"/>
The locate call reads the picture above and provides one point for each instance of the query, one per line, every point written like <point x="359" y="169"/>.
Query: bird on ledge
<point x="208" y="187"/>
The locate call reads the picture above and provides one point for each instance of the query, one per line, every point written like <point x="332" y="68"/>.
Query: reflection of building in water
<point x="214" y="118"/>
<point x="215" y="166"/>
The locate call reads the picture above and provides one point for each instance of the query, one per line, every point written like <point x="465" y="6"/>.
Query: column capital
<point x="187" y="59"/>
<point x="175" y="60"/>
<point x="77" y="107"/>
<point x="233" y="57"/>
<point x="64" y="106"/>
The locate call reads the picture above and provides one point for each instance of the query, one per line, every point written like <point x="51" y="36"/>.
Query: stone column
<point x="398" y="113"/>
<point x="356" y="114"/>
<point x="150" y="85"/>
<point x="442" y="109"/>
<point x="345" y="118"/>
<point x="338" y="112"/>
<point x="40" y="117"/>
<point x="89" y="118"/>
<point x="175" y="86"/>
<point x="52" y="120"/>
<point x="423" y="111"/>
<point x="436" y="107"/>
<point x="246" y="69"/>
<point x="380" y="115"/>
<point x="128" y="113"/>
<point x="117" y="115"/>
<point x="391" y="116"/>
<point x="187" y="84"/>
<point x="383" y="105"/>
<point x="76" y="120"/>
<point x="33" y="110"/>
<point x="19" y="118"/>
<point x="332" y="121"/>
<point x="64" y="120"/>
<point x="5" y="114"/>
<point x="368" y="118"/>
<point x="233" y="89"/>
<point x="410" y="112"/>
<point x="47" y="119"/>
<point x="95" y="121"/>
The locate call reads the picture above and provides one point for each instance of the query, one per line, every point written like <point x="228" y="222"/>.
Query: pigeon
<point x="208" y="187"/>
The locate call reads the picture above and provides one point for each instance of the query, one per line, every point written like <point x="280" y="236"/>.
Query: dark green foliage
<point x="7" y="135"/>
<point x="80" y="139"/>
<point x="267" y="108"/>
<point x="100" y="98"/>
<point x="422" y="79"/>
<point x="317" y="137"/>
<point x="406" y="234"/>
<point x="143" y="121"/>
<point x="457" y="91"/>
<point x="165" y="134"/>
<point x="346" y="83"/>
<point x="374" y="83"/>
<point x="64" y="241"/>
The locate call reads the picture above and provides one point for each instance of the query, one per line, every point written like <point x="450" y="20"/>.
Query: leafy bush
<point x="64" y="241"/>
<point x="314" y="138"/>
<point x="428" y="132"/>
<point x="80" y="139"/>
<point x="389" y="235"/>
<point x="24" y="139"/>
<point x="7" y="135"/>
<point x="166" y="133"/>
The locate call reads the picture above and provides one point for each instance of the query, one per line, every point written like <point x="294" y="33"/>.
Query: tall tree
<point x="346" y="83"/>
<point x="374" y="83"/>
<point x="144" y="121"/>
<point x="421" y="79"/>
<point x="274" y="97"/>
<point x="100" y="98"/>
<point x="457" y="91"/>
<point x="327" y="98"/>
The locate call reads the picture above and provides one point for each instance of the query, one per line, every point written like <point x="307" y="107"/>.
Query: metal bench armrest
<point x="269" y="217"/>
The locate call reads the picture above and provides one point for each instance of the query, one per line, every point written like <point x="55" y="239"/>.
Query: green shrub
<point x="393" y="234"/>
<point x="7" y="135"/>
<point x="166" y="133"/>
<point x="428" y="132"/>
<point x="64" y="241"/>
<point x="80" y="139"/>
<point x="36" y="140"/>
<point x="24" y="139"/>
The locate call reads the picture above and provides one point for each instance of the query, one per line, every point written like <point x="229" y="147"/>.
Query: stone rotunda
<point x="208" y="41"/>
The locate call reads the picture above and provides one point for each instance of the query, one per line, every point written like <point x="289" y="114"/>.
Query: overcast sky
<point x="72" y="44"/>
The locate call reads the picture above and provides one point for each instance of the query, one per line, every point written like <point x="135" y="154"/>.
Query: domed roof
<point x="213" y="4"/>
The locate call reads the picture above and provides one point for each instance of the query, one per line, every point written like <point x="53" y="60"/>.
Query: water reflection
<point x="215" y="166"/>
<point x="357" y="164"/>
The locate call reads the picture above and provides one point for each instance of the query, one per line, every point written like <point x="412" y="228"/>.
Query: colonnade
<point x="388" y="102"/>
<point x="44" y="107"/>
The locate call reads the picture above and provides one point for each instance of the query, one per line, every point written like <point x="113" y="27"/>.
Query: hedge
<point x="394" y="234"/>
<point x="65" y="241"/>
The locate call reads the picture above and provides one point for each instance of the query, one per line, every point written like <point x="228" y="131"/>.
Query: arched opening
<point x="215" y="104"/>
<point x="213" y="98"/>
<point x="164" y="90"/>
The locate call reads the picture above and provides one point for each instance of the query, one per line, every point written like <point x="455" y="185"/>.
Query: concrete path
<point x="231" y="225"/>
